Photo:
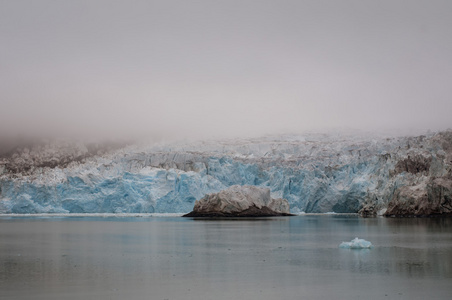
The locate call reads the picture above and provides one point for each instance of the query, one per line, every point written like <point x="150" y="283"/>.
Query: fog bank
<point x="230" y="68"/>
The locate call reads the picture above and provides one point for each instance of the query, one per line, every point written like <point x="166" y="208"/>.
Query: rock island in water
<point x="240" y="201"/>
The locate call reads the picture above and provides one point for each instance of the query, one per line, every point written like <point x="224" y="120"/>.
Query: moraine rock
<point x="426" y="199"/>
<point x="240" y="201"/>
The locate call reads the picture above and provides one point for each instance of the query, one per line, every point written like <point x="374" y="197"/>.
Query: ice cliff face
<point x="314" y="172"/>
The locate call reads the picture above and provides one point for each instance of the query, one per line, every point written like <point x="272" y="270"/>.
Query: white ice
<point x="356" y="243"/>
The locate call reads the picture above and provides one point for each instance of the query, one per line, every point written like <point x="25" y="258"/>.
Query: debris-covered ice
<point x="315" y="173"/>
<point x="356" y="243"/>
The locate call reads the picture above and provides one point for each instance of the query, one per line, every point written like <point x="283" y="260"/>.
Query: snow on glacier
<point x="315" y="173"/>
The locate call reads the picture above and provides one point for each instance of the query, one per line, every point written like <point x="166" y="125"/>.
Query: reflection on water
<point x="179" y="258"/>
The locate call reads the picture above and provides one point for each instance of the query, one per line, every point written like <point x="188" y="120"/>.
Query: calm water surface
<point x="178" y="258"/>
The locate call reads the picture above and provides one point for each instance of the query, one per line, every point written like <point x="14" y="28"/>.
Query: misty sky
<point x="202" y="68"/>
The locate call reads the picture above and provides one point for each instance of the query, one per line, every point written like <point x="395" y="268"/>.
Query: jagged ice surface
<point x="315" y="173"/>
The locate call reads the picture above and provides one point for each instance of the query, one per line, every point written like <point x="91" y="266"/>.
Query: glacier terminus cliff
<point x="316" y="173"/>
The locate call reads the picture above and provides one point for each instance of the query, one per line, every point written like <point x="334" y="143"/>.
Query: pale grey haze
<point x="223" y="68"/>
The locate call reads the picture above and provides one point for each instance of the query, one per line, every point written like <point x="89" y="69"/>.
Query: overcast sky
<point x="207" y="68"/>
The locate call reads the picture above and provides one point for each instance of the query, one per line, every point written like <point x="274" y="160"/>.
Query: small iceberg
<point x="356" y="243"/>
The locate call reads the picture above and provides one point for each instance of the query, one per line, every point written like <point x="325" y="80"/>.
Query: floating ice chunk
<point x="356" y="243"/>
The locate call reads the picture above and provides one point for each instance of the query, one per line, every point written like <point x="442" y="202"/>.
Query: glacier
<point x="316" y="173"/>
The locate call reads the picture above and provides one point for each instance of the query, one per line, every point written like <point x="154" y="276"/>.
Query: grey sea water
<point x="179" y="258"/>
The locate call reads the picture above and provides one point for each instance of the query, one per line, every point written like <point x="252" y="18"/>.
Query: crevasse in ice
<point x="315" y="173"/>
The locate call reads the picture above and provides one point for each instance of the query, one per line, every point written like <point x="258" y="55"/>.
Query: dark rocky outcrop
<point x="420" y="183"/>
<point x="240" y="201"/>
<point x="368" y="210"/>
<point x="431" y="199"/>
<point x="413" y="164"/>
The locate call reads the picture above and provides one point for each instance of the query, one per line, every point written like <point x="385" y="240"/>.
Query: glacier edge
<point x="315" y="173"/>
